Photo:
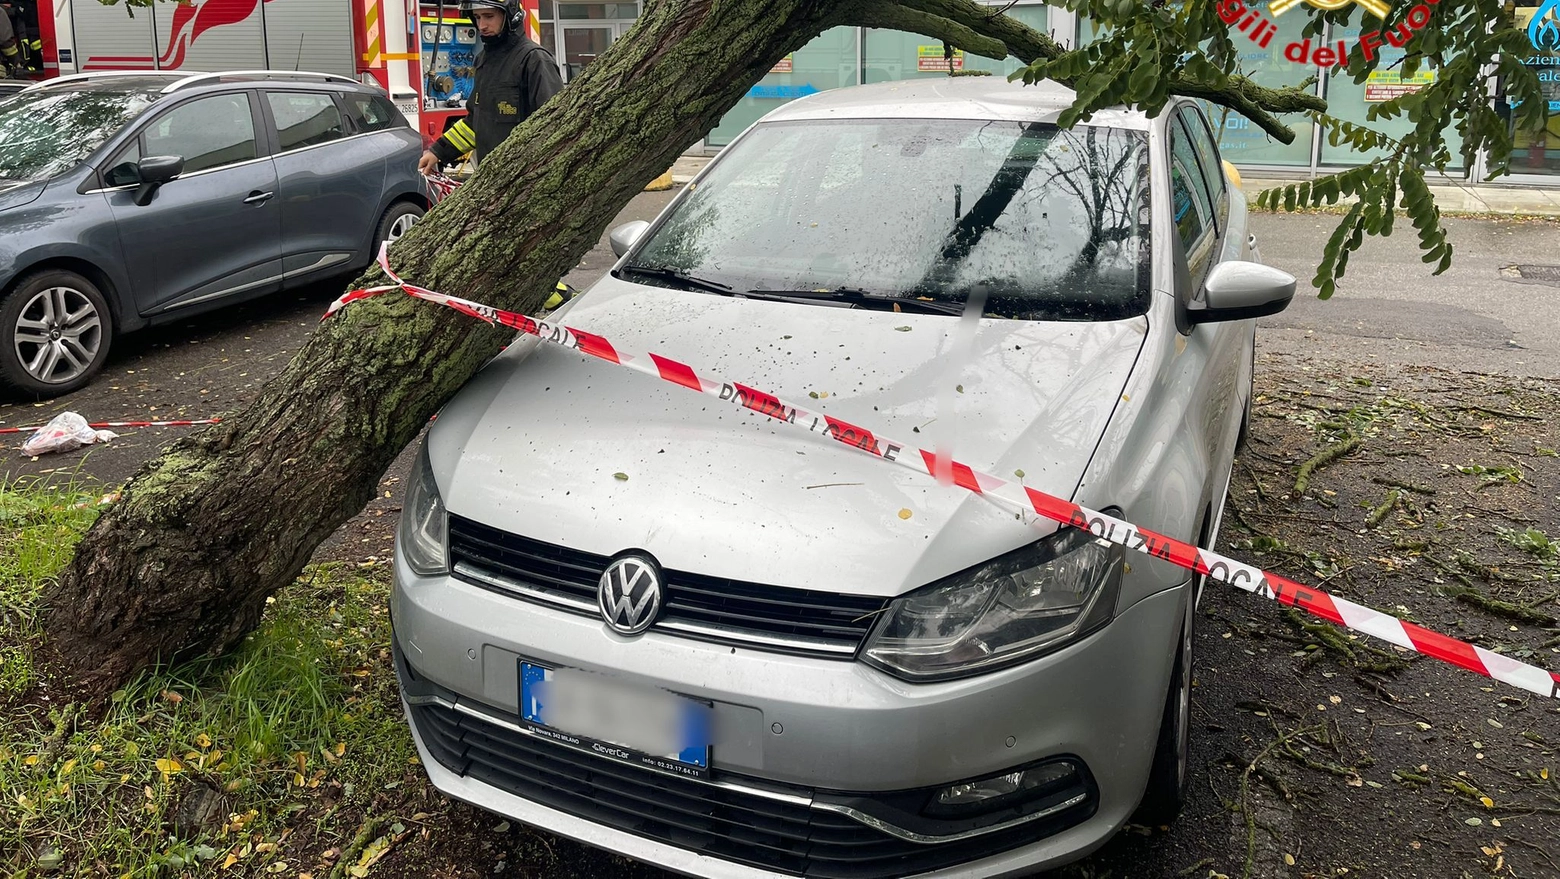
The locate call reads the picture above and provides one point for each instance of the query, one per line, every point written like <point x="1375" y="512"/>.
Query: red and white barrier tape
<point x="103" y="424"/>
<point x="440" y="186"/>
<point x="1216" y="567"/>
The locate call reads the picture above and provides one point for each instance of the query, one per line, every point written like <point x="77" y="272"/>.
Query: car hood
<point x="564" y="448"/>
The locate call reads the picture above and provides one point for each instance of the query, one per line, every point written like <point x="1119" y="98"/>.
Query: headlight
<point x="424" y="527"/>
<point x="1013" y="608"/>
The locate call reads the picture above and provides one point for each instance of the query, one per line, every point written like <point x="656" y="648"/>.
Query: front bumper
<point x="789" y="727"/>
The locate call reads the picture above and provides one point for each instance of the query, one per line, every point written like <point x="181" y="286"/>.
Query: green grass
<point x="297" y="729"/>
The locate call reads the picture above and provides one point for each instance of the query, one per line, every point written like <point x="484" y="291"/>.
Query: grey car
<point x="699" y="637"/>
<point x="135" y="199"/>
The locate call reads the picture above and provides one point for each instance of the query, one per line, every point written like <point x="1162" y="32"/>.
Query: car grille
<point x="784" y="836"/>
<point x="694" y="605"/>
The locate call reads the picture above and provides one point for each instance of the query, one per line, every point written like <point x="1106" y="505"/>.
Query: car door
<point x="1212" y="359"/>
<point x="213" y="232"/>
<point x="330" y="182"/>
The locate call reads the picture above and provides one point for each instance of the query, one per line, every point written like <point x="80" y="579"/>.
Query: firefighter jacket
<point x="10" y="53"/>
<point x="514" y="77"/>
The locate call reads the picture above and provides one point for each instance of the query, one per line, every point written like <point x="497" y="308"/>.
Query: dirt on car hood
<point x="564" y="448"/>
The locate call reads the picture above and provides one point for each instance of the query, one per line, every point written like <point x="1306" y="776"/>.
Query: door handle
<point x="258" y="197"/>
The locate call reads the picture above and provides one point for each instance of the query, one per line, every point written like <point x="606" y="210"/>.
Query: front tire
<point x="1165" y="795"/>
<point x="55" y="331"/>
<point x="1244" y="437"/>
<point x="399" y="219"/>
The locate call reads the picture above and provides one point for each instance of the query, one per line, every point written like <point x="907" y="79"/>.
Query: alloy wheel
<point x="58" y="334"/>
<point x="400" y="226"/>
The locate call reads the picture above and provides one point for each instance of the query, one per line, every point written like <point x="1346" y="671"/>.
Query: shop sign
<point x="784" y="64"/>
<point x="932" y="59"/>
<point x="1544" y="27"/>
<point x="1384" y="85"/>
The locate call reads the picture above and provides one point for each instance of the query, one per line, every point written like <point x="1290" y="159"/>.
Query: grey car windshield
<point x="1045" y="224"/>
<point x="44" y="133"/>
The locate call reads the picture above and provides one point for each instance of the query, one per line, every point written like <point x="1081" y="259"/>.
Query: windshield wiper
<point x="678" y="276"/>
<point x="867" y="299"/>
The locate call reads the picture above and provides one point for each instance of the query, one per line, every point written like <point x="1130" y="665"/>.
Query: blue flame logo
<point x="1544" y="27"/>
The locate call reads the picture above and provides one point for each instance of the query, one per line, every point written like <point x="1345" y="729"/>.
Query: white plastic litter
<point x="66" y="432"/>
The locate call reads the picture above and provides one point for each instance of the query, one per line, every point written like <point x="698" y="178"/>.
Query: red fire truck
<point x="381" y="41"/>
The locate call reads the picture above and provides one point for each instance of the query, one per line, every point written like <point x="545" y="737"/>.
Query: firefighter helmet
<point x="513" y="14"/>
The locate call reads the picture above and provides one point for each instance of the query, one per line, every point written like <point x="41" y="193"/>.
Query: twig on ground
<point x="1256" y="483"/>
<point x="1498" y="413"/>
<point x="1245" y="787"/>
<point x="1472" y="596"/>
<point x="354" y="849"/>
<point x="1322" y="459"/>
<point x="1381" y="512"/>
<point x="1397" y="483"/>
<point x="1541" y="851"/>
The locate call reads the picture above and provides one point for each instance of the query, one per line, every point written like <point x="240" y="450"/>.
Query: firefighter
<point x="514" y="77"/>
<point x="10" y="46"/>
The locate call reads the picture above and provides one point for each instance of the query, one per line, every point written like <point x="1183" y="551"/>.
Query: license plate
<point x="606" y="716"/>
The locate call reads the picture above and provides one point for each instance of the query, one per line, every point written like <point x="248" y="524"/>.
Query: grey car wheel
<point x="397" y="221"/>
<point x="1166" y="791"/>
<point x="57" y="329"/>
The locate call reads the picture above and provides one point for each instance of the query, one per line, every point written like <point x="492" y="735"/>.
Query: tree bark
<point x="182" y="565"/>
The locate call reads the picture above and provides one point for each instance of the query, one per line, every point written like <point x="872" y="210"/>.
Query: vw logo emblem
<point x="630" y="595"/>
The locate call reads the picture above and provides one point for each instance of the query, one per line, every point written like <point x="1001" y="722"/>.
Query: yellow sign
<point x="1378" y="8"/>
<point x="932" y="59"/>
<point x="1384" y="85"/>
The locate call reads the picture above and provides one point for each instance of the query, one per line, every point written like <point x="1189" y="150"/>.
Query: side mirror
<point x="624" y="236"/>
<point x="154" y="172"/>
<point x="1239" y="290"/>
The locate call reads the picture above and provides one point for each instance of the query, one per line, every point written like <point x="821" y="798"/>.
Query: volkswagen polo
<point x="702" y="638"/>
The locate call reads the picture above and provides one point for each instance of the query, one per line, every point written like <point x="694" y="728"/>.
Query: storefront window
<point x="828" y="62"/>
<point x="1240" y="140"/>
<point x="576" y="11"/>
<point x="1035" y="17"/>
<point x="1350" y="101"/>
<point x="1538" y="153"/>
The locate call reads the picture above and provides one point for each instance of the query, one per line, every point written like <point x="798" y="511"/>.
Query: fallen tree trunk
<point x="182" y="565"/>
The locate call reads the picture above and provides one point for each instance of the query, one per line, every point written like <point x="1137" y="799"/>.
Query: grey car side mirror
<point x="624" y="236"/>
<point x="154" y="171"/>
<point x="1240" y="290"/>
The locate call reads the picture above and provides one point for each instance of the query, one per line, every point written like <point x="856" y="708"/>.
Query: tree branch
<point x="957" y="20"/>
<point x="892" y="16"/>
<point x="1255" y="102"/>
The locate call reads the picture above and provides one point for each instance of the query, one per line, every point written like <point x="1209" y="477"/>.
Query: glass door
<point x="582" y="44"/>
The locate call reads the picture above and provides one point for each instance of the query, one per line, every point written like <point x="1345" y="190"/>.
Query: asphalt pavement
<point x="1496" y="310"/>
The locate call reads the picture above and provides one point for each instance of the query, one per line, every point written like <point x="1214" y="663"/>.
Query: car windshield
<point x="1046" y="224"/>
<point x="45" y="132"/>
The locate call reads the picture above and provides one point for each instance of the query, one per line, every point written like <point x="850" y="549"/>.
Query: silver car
<point x="702" y="638"/>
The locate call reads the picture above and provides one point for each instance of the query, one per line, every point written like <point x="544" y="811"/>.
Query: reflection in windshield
<point x="1048" y="224"/>
<point x="45" y="133"/>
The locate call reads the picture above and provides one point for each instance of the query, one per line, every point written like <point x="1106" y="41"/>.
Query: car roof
<point x="186" y="82"/>
<point x="950" y="97"/>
